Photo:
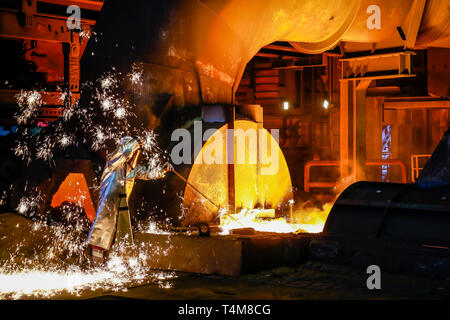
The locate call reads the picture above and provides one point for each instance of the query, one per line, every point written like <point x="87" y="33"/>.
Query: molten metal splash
<point x="305" y="220"/>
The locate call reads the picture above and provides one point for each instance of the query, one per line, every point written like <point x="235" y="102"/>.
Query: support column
<point x="353" y="128"/>
<point x="345" y="127"/>
<point x="74" y="67"/>
<point x="359" y="137"/>
<point x="230" y="160"/>
<point x="261" y="200"/>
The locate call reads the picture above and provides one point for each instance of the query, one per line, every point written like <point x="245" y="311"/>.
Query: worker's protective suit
<point x="117" y="181"/>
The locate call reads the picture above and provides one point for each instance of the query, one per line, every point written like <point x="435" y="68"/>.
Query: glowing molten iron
<point x="308" y="220"/>
<point x="251" y="188"/>
<point x="75" y="189"/>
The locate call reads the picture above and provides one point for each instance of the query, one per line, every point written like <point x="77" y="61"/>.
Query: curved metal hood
<point x="196" y="51"/>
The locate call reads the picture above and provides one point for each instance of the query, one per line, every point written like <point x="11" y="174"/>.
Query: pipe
<point x="203" y="195"/>
<point x="330" y="184"/>
<point x="321" y="163"/>
<point x="389" y="162"/>
<point x="194" y="188"/>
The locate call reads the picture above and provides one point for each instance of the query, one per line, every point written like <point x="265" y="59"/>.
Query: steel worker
<point x="112" y="219"/>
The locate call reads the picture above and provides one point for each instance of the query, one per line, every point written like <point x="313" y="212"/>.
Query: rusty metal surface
<point x="46" y="21"/>
<point x="434" y="29"/>
<point x="383" y="66"/>
<point x="437" y="70"/>
<point x="197" y="51"/>
<point x="95" y="5"/>
<point x="39" y="25"/>
<point x="10" y="27"/>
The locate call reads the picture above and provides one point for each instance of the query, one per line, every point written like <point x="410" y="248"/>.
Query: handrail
<point x="328" y="163"/>
<point x="415" y="169"/>
<point x="388" y="162"/>
<point x="317" y="184"/>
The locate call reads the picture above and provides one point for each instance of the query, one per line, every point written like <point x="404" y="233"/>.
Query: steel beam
<point x="414" y="23"/>
<point x="416" y="104"/>
<point x="231" y="117"/>
<point x="74" y="67"/>
<point x="353" y="128"/>
<point x="83" y="4"/>
<point x="345" y="123"/>
<point x="45" y="29"/>
<point x="359" y="127"/>
<point x="381" y="66"/>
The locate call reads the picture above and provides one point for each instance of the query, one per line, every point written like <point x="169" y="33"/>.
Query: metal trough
<point x="230" y="255"/>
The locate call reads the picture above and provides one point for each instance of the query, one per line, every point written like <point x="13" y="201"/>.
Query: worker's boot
<point x="98" y="255"/>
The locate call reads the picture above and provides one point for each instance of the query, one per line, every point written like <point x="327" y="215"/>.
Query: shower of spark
<point x="153" y="228"/>
<point x="59" y="263"/>
<point x="106" y="105"/>
<point x="115" y="276"/>
<point x="60" y="266"/>
<point x="136" y="75"/>
<point x="85" y="34"/>
<point x="65" y="140"/>
<point x="29" y="103"/>
<point x="28" y="204"/>
<point x="98" y="124"/>
<point x="120" y="112"/>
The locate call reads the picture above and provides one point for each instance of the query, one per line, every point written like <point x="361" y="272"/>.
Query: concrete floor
<point x="311" y="280"/>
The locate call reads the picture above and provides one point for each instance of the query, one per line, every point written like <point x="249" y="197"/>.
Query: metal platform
<point x="230" y="255"/>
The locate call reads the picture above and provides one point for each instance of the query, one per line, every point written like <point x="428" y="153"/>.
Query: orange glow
<point x="75" y="189"/>
<point x="269" y="190"/>
<point x="310" y="220"/>
<point x="251" y="188"/>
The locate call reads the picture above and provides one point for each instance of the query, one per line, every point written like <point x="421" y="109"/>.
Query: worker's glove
<point x="167" y="167"/>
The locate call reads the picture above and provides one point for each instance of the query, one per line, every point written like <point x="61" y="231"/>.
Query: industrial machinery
<point x="400" y="227"/>
<point x="193" y="55"/>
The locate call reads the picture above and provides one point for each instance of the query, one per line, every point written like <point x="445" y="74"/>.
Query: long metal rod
<point x="203" y="195"/>
<point x="193" y="187"/>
